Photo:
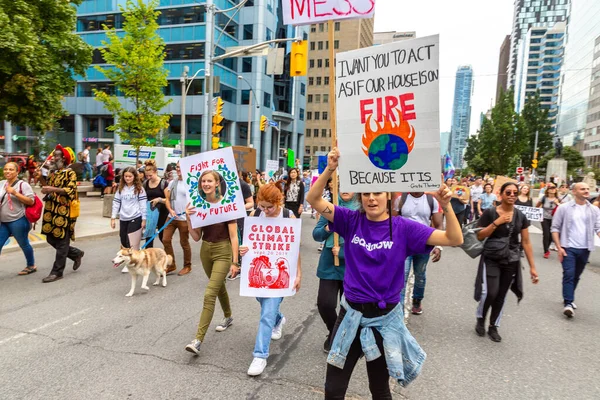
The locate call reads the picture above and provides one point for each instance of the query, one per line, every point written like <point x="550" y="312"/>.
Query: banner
<point x="532" y="213"/>
<point x="302" y="12"/>
<point x="270" y="267"/>
<point x="231" y="203"/>
<point x="271" y="169"/>
<point x="388" y="117"/>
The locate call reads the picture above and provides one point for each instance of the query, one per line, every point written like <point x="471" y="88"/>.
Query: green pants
<point x="216" y="260"/>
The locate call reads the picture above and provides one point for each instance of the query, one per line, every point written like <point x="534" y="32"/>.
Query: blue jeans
<point x="87" y="169"/>
<point x="270" y="316"/>
<point x="419" y="264"/>
<point x="573" y="265"/>
<point x="20" y="230"/>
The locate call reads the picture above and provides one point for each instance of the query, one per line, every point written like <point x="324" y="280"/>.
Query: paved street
<point x="82" y="338"/>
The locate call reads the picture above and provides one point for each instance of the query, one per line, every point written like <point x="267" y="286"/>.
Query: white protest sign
<point x="271" y="169"/>
<point x="270" y="267"/>
<point x="299" y="12"/>
<point x="230" y="205"/>
<point x="388" y="117"/>
<point x="532" y="213"/>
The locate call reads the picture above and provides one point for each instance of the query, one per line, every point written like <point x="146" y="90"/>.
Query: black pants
<point x="547" y="235"/>
<point x="499" y="280"/>
<point x="330" y="291"/>
<point x="162" y="219"/>
<point x="337" y="380"/>
<point x="128" y="227"/>
<point x="476" y="210"/>
<point x="64" y="250"/>
<point x="293" y="207"/>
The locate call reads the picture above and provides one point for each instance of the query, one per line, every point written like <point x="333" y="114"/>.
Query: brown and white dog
<point x="141" y="262"/>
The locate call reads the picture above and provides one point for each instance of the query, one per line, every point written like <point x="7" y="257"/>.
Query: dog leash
<point x="160" y="230"/>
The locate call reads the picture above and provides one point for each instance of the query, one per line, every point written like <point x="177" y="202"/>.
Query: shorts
<point x="109" y="183"/>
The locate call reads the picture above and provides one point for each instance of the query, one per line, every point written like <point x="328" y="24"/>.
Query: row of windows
<point x="320" y="45"/>
<point x="189" y="51"/>
<point x="593" y="117"/>
<point x="315" y="133"/>
<point x="324" y="27"/>
<point x="317" y="115"/>
<point x="317" y="98"/>
<point x="315" y="149"/>
<point x="319" y="63"/>
<point x="311" y="81"/>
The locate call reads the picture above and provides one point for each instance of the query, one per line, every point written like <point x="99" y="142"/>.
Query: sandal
<point x="28" y="270"/>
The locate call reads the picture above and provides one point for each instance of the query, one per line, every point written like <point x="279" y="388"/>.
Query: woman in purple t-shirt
<point x="374" y="275"/>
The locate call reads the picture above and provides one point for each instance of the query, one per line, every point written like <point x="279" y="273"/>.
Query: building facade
<point x="444" y="143"/>
<point x="390" y="37"/>
<point x="183" y="25"/>
<point x="539" y="68"/>
<point x="502" y="81"/>
<point x="592" y="129"/>
<point x="348" y="35"/>
<point x="461" y="114"/>
<point x="528" y="14"/>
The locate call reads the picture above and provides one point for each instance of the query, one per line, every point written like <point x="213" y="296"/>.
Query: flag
<point x="448" y="167"/>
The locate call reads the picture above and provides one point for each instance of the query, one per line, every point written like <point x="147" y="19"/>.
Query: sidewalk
<point x="90" y="224"/>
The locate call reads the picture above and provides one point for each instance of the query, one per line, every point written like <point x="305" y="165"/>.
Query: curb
<point x="41" y="245"/>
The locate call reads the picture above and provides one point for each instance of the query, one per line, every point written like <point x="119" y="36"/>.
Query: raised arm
<point x="315" y="194"/>
<point x="452" y="236"/>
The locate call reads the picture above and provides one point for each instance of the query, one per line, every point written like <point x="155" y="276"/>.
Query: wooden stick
<point x="332" y="118"/>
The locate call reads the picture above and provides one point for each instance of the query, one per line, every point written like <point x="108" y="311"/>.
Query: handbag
<point x="471" y="244"/>
<point x="75" y="207"/>
<point x="498" y="249"/>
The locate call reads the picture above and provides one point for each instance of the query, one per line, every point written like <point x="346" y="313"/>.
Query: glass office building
<point x="461" y="114"/>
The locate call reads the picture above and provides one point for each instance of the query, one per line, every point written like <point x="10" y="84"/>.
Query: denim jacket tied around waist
<point x="403" y="355"/>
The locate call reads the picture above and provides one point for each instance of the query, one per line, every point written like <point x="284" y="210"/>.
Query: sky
<point x="471" y="33"/>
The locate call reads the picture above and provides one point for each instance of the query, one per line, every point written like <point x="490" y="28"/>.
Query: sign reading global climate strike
<point x="388" y="117"/>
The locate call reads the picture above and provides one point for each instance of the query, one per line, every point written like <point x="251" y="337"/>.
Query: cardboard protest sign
<point x="270" y="267"/>
<point x="388" y="117"/>
<point x="532" y="213"/>
<point x="245" y="157"/>
<point x="231" y="204"/>
<point x="299" y="12"/>
<point x="498" y="182"/>
<point x="271" y="169"/>
<point x="315" y="175"/>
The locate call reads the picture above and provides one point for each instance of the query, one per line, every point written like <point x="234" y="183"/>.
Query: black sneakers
<point x="327" y="345"/>
<point x="416" y="308"/>
<point x="480" y="327"/>
<point x="493" y="334"/>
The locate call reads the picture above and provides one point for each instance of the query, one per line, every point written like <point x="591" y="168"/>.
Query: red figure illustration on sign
<point x="264" y="275"/>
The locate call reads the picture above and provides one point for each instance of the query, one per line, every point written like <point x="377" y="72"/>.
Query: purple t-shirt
<point x="374" y="264"/>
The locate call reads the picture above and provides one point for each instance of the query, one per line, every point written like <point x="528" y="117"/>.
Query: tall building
<point x="502" y="82"/>
<point x="461" y="114"/>
<point x="349" y="35"/>
<point x="578" y="79"/>
<point x="444" y="143"/>
<point x="592" y="129"/>
<point x="390" y="37"/>
<point x="528" y="14"/>
<point x="538" y="68"/>
<point x="183" y="25"/>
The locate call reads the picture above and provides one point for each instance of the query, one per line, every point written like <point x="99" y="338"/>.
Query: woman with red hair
<point x="270" y="205"/>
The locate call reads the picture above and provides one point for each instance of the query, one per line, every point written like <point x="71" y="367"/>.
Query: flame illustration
<point x="401" y="129"/>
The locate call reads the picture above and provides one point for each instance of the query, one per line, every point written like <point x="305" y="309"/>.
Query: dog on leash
<point x="141" y="262"/>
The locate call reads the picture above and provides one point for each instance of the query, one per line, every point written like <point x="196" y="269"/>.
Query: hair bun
<point x="150" y="163"/>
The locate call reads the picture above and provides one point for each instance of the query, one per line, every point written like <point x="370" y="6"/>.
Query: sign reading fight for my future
<point x="388" y="117"/>
<point x="230" y="204"/>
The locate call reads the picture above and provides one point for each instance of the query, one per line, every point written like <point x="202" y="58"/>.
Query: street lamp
<point x="186" y="83"/>
<point x="240" y="77"/>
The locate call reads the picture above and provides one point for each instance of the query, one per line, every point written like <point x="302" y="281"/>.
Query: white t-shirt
<point x="578" y="230"/>
<point x="86" y="155"/>
<point x="106" y="153"/>
<point x="99" y="159"/>
<point x="476" y="192"/>
<point x="417" y="209"/>
<point x="180" y="202"/>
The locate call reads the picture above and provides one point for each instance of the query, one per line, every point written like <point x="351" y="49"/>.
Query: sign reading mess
<point x="270" y="267"/>
<point x="230" y="204"/>
<point x="388" y="117"/>
<point x="532" y="213"/>
<point x="299" y="12"/>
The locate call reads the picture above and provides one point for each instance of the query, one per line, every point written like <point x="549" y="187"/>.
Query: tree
<point x="39" y="54"/>
<point x="536" y="120"/>
<point x="574" y="159"/>
<point x="138" y="72"/>
<point x="473" y="157"/>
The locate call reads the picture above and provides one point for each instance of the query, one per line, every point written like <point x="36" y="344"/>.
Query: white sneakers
<point x="125" y="270"/>
<point x="277" y="330"/>
<point x="257" y="367"/>
<point x="568" y="311"/>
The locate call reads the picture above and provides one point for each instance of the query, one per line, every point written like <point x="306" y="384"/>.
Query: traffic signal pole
<point x="535" y="155"/>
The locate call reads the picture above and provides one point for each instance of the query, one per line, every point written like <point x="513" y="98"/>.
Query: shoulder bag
<point x="498" y="248"/>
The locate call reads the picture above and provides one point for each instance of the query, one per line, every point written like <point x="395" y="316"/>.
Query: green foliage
<point x="535" y="119"/>
<point x="39" y="54"/>
<point x="138" y="72"/>
<point x="574" y="159"/>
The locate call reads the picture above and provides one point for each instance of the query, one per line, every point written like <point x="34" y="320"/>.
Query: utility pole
<point x="183" y="98"/>
<point x="535" y="156"/>
<point x="208" y="74"/>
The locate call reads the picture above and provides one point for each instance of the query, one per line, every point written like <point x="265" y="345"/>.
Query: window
<point x="245" y="97"/>
<point x="307" y="150"/>
<point x="326" y="80"/>
<point x="317" y="115"/>
<point x="247" y="64"/>
<point x="337" y="26"/>
<point x="315" y="149"/>
<point x="311" y="81"/>
<point x="308" y="134"/>
<point x="311" y="64"/>
<point x="320" y="46"/>
<point x="315" y="132"/>
<point x="319" y="63"/>
<point x="317" y="98"/>
<point x="336" y="44"/>
<point x="325" y="98"/>
<point x="267" y="100"/>
<point x="313" y="28"/>
<point x="325" y="115"/>
<point x="327" y="45"/>
<point x="309" y="116"/>
<point x="323" y="148"/>
<point x="269" y="34"/>
<point x="249" y="3"/>
<point x="318" y="80"/>
<point x="327" y="63"/>
<point x="310" y="98"/>
<point x="323" y="132"/>
<point x="248" y="32"/>
<point x="321" y="27"/>
<point x="302" y="89"/>
<point x="312" y="46"/>
<point x="301" y="114"/>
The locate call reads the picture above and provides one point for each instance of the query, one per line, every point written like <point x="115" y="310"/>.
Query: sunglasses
<point x="511" y="193"/>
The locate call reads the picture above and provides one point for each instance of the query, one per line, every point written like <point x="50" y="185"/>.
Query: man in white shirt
<point x="87" y="167"/>
<point x="574" y="227"/>
<point x="106" y="153"/>
<point x="476" y="192"/>
<point x="424" y="209"/>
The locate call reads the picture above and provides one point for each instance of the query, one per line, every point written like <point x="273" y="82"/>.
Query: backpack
<point x="33" y="213"/>
<point x="286" y="212"/>
<point x="99" y="182"/>
<point x="104" y="171"/>
<point x="405" y="196"/>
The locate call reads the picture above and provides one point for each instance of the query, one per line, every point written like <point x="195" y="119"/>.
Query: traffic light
<point x="299" y="58"/>
<point x="216" y="123"/>
<point x="534" y="164"/>
<point x="263" y="123"/>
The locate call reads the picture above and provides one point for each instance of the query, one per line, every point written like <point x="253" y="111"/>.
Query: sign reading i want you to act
<point x="230" y="205"/>
<point x="299" y="12"/>
<point x="388" y="117"/>
<point x="270" y="267"/>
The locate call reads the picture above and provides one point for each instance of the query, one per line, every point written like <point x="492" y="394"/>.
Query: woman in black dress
<point x="155" y="190"/>
<point x="524" y="198"/>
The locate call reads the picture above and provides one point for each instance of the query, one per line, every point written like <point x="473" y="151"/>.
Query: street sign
<point x="275" y="60"/>
<point x="520" y="170"/>
<point x="261" y="51"/>
<point x="273" y="123"/>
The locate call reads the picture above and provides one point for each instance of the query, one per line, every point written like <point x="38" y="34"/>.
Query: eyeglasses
<point x="511" y="193"/>
<point x="269" y="208"/>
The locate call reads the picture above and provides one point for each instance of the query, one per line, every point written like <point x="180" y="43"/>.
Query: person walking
<point x="156" y="209"/>
<point x="424" y="209"/>
<point x="31" y="166"/>
<point x="461" y="197"/>
<point x="375" y="252"/>
<point x="58" y="222"/>
<point x="331" y="277"/>
<point x="87" y="167"/>
<point x="524" y="198"/>
<point x="549" y="202"/>
<point x="129" y="204"/>
<point x="106" y="153"/>
<point x="294" y="193"/>
<point x="15" y="196"/>
<point x="476" y="192"/>
<point x="573" y="229"/>
<point x="109" y="174"/>
<point x="563" y="193"/>
<point x="99" y="160"/>
<point x="487" y="199"/>
<point x="500" y="264"/>
<point x="219" y="255"/>
<point x="176" y="201"/>
<point x="270" y="326"/>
